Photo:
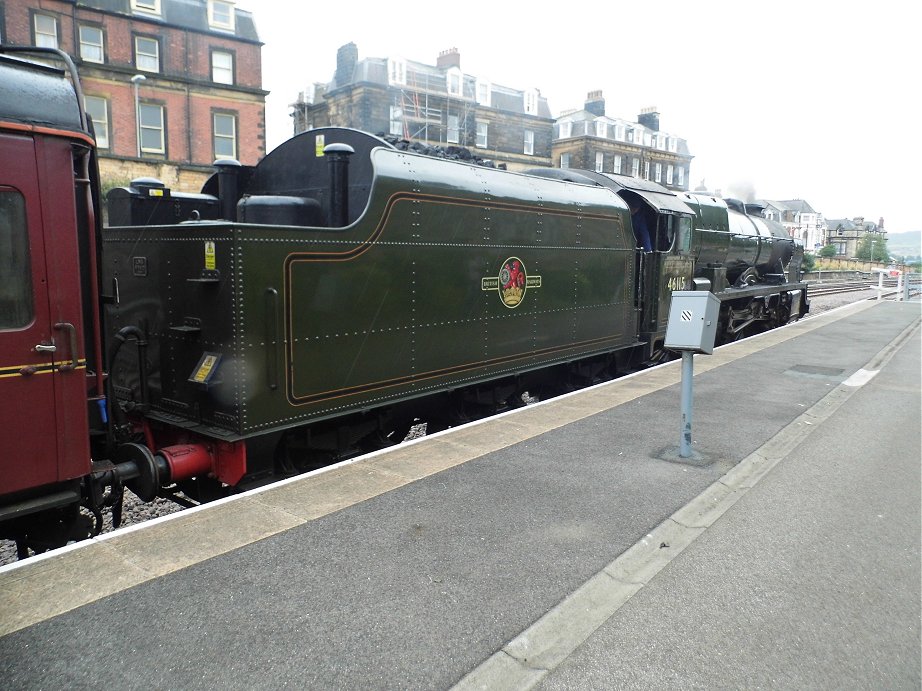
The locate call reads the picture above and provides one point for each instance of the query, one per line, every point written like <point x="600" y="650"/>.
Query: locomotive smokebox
<point x="338" y="156"/>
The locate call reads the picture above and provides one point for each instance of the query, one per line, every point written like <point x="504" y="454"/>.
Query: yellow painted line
<point x="44" y="368"/>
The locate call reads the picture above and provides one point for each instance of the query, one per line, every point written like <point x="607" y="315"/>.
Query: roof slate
<point x="189" y="14"/>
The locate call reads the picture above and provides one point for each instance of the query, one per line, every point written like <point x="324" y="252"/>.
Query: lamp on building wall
<point x="136" y="80"/>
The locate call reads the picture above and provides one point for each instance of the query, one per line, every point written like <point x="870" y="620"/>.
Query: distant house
<point x="846" y="234"/>
<point x="590" y="139"/>
<point x="439" y="105"/>
<point x="800" y="219"/>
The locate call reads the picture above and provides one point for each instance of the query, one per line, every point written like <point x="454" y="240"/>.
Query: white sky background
<point x="777" y="100"/>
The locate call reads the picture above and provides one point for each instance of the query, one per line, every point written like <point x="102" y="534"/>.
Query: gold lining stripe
<point x="462" y="368"/>
<point x="44" y="368"/>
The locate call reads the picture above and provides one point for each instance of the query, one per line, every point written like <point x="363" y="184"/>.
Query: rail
<point x="816" y="288"/>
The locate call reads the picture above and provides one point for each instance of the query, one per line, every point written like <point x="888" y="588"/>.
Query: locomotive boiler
<point x="316" y="305"/>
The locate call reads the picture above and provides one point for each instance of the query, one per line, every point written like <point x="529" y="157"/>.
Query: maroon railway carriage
<point x="49" y="335"/>
<point x="58" y="465"/>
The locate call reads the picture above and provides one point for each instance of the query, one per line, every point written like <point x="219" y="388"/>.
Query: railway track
<point x="847" y="287"/>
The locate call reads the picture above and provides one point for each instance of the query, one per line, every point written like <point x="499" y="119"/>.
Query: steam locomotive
<point x="315" y="305"/>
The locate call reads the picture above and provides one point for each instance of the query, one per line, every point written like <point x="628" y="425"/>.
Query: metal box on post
<point x="692" y="321"/>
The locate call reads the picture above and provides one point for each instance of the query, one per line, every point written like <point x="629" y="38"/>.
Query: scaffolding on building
<point x="419" y="119"/>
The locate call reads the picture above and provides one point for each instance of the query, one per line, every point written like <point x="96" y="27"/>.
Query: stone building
<point x="801" y="220"/>
<point x="846" y="234"/>
<point x="171" y="85"/>
<point x="590" y="139"/>
<point x="433" y="104"/>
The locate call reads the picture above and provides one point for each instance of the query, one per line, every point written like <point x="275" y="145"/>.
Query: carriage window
<point x="15" y="266"/>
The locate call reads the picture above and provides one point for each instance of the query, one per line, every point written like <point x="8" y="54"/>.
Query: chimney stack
<point x="649" y="117"/>
<point x="449" y="58"/>
<point x="346" y="58"/>
<point x="595" y="103"/>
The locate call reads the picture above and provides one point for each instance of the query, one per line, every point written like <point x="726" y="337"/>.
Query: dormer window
<point x="146" y="6"/>
<point x="483" y="92"/>
<point x="453" y="82"/>
<point x="396" y="71"/>
<point x="600" y="128"/>
<point x="531" y="102"/>
<point x="566" y="128"/>
<point x="221" y="14"/>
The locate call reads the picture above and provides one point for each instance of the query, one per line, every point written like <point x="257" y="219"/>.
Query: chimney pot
<point x="649" y="117"/>
<point x="595" y="103"/>
<point x="449" y="58"/>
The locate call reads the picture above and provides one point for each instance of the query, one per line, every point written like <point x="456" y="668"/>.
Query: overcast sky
<point x="784" y="99"/>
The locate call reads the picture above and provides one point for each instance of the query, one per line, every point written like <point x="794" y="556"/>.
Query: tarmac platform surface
<point x="561" y="546"/>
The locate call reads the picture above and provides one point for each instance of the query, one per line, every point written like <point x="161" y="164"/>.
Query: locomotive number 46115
<point x="677" y="282"/>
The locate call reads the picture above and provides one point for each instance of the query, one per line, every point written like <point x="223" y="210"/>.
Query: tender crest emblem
<point x="512" y="282"/>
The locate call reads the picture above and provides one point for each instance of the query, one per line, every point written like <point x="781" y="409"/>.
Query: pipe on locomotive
<point x="228" y="186"/>
<point x="141" y="339"/>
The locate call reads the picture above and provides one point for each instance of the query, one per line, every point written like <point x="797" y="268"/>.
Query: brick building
<point x="591" y="140"/>
<point x="171" y="85"/>
<point x="435" y="104"/>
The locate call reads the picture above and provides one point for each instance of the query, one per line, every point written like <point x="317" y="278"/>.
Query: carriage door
<point x="28" y="447"/>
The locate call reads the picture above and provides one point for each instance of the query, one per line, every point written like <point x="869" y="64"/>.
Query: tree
<point x="873" y="247"/>
<point x="808" y="263"/>
<point x="829" y="251"/>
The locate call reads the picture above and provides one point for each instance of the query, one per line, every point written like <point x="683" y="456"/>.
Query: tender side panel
<point x="180" y="285"/>
<point x="471" y="276"/>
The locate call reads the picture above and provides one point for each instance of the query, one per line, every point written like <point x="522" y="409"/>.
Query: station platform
<point x="564" y="545"/>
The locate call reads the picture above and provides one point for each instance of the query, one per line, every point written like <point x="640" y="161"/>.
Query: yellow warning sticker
<point x="207" y="364"/>
<point x="209" y="256"/>
<point x="319" y="144"/>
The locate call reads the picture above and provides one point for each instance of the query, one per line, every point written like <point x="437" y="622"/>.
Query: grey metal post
<point x="687" y="374"/>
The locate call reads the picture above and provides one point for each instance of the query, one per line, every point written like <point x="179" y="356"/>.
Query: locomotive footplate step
<point x="550" y="545"/>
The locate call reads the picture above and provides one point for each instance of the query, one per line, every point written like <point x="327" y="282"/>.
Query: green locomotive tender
<point x="342" y="289"/>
